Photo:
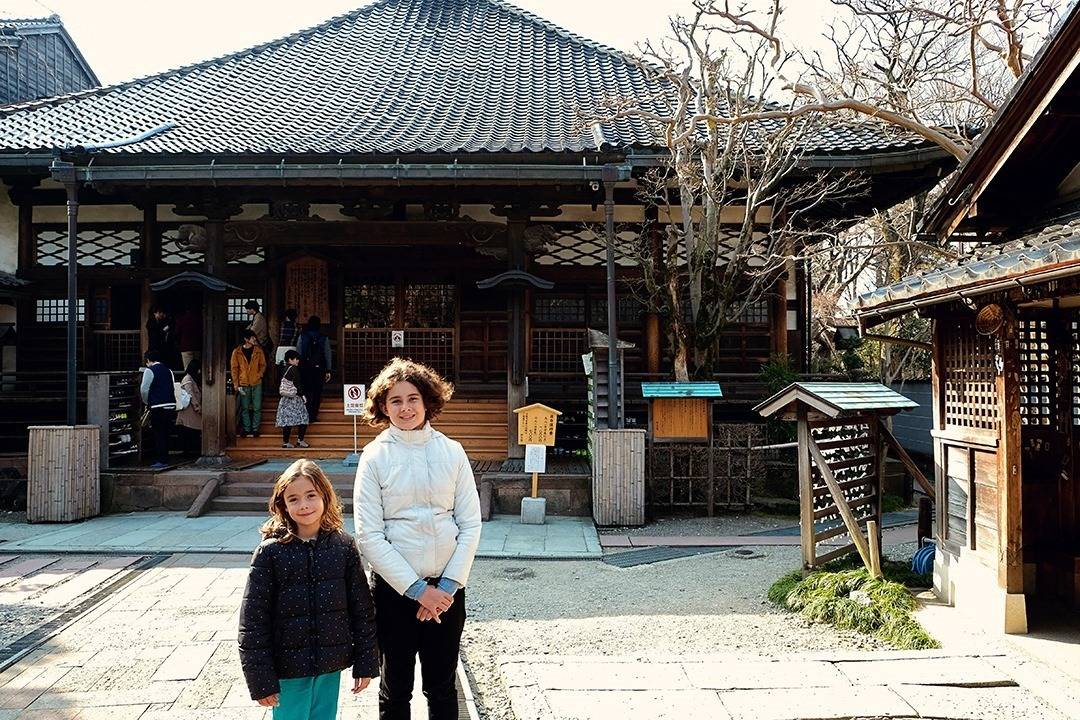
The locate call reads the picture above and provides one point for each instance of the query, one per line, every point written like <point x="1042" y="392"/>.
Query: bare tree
<point x="734" y="208"/>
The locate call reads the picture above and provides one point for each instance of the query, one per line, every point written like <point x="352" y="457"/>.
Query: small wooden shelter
<point x="842" y="446"/>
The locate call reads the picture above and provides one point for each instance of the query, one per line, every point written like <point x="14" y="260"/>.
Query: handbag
<point x="287" y="388"/>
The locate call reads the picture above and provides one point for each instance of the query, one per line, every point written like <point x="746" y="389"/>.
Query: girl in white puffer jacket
<point x="417" y="516"/>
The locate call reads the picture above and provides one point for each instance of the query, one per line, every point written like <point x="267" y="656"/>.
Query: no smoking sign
<point x="354" y="396"/>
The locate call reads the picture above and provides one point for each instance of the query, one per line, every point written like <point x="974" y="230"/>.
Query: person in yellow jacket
<point x="248" y="366"/>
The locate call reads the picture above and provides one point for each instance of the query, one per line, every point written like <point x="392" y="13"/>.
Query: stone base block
<point x="533" y="510"/>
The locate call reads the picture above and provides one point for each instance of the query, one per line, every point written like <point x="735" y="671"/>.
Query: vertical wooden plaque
<point x="307" y="288"/>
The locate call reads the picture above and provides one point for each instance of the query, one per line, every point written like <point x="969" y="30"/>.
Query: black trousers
<point x="162" y="422"/>
<point x="401" y="638"/>
<point x="313" y="377"/>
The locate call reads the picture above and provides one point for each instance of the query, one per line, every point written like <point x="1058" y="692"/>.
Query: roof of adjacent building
<point x="395" y="76"/>
<point x="40" y="60"/>
<point x="837" y="398"/>
<point x="1054" y="250"/>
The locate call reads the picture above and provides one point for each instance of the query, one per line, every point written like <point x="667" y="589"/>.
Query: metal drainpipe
<point x="65" y="173"/>
<point x="614" y="381"/>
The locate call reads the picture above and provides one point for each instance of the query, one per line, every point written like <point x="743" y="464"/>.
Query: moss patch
<point x="849" y="598"/>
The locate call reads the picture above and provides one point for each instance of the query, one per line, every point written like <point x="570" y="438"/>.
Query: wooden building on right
<point x="1006" y="352"/>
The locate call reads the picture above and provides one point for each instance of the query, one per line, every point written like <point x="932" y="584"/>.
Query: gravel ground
<point x="13" y="527"/>
<point x="719" y="525"/>
<point x="703" y="604"/>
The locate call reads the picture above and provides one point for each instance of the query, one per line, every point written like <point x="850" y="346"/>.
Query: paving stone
<point x="762" y="675"/>
<point x="113" y="712"/>
<point x="671" y="705"/>
<point x="816" y="703"/>
<point x="988" y="703"/>
<point x="959" y="671"/>
<point x="156" y="692"/>
<point x="610" y="676"/>
<point x="18" y="695"/>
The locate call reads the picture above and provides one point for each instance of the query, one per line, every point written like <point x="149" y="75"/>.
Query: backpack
<point x="183" y="397"/>
<point x="313" y="353"/>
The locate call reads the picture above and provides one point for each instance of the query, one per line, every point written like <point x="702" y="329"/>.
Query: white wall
<point x="9" y="232"/>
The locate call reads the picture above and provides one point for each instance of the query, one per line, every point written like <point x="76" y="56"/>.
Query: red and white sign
<point x="355" y="396"/>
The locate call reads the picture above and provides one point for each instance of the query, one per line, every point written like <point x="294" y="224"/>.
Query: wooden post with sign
<point x="536" y="431"/>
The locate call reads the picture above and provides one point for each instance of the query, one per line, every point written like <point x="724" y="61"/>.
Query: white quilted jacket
<point x="416" y="508"/>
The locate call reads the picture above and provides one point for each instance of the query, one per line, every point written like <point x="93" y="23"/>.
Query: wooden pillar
<point x="215" y="433"/>
<point x="937" y="414"/>
<point x="274" y="297"/>
<point x="27" y="241"/>
<point x="515" y="361"/>
<point x="1010" y="491"/>
<point x="652" y="343"/>
<point x="806" y="490"/>
<point x="150" y="238"/>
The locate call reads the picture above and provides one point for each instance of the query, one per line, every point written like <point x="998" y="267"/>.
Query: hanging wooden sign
<point x="307" y="288"/>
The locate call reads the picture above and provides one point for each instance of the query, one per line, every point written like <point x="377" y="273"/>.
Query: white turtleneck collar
<point x="411" y="437"/>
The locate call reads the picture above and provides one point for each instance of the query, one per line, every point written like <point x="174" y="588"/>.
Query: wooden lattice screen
<point x="969" y="379"/>
<point x="677" y="473"/>
<point x="850" y="449"/>
<point x="1037" y="392"/>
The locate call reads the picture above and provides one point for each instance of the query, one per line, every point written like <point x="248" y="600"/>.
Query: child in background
<point x="292" y="407"/>
<point x="307" y="612"/>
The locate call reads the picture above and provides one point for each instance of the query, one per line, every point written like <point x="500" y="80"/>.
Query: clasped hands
<point x="433" y="603"/>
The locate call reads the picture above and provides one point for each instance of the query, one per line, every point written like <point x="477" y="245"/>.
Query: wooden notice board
<point x="307" y="288"/>
<point x="536" y="424"/>
<point x="680" y="418"/>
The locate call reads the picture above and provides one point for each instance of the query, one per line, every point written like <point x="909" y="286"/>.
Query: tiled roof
<point x="396" y="76"/>
<point x="24" y="23"/>
<point x="1055" y="246"/>
<point x="835" y="398"/>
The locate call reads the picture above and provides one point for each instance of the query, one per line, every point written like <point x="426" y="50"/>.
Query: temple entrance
<point x="383" y="320"/>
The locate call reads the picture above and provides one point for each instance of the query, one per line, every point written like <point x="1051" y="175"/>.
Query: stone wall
<point x="133" y="491"/>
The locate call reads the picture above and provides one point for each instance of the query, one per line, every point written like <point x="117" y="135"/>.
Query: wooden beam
<point x="366" y="232"/>
<point x="841" y="505"/>
<point x="27" y="241"/>
<point x="903" y="456"/>
<point x="873" y="530"/>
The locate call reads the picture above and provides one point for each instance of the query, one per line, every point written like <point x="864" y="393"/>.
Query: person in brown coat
<point x="248" y="366"/>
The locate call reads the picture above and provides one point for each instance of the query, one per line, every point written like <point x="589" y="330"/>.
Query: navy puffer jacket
<point x="307" y="611"/>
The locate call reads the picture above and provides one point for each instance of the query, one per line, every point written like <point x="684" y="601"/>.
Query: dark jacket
<point x="314" y="349"/>
<point x="307" y="611"/>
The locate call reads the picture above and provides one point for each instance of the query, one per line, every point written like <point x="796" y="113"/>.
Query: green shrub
<point x="850" y="599"/>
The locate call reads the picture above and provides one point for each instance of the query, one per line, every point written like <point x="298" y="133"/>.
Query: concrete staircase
<point x="247" y="492"/>
<point x="478" y="424"/>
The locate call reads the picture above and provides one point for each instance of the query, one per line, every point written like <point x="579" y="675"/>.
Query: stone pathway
<point x="162" y="647"/>
<point x="503" y="536"/>
<point x="728" y="687"/>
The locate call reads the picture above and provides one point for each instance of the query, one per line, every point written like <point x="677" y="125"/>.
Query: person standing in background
<point x="159" y="395"/>
<point x="248" y="365"/>
<point x="314" y="348"/>
<point x="258" y="326"/>
<point x="189" y="419"/>
<point x="161" y="337"/>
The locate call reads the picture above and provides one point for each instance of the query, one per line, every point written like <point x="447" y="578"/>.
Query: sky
<point x="123" y="39"/>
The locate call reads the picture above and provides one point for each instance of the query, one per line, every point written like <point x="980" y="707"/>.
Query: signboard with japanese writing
<point x="536" y="424"/>
<point x="397" y="338"/>
<point x="355" y="396"/>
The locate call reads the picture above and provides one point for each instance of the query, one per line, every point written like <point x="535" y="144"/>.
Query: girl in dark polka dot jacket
<point x="307" y="612"/>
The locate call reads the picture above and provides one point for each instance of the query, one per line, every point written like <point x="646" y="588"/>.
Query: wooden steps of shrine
<point x="478" y="424"/>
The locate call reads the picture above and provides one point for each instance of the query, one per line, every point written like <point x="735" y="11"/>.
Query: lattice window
<point x="173" y="253"/>
<point x="628" y="308"/>
<point x="105" y="246"/>
<point x="245" y="255"/>
<point x="755" y="313"/>
<point x="369" y="306"/>
<point x="970" y="378"/>
<point x="555" y="350"/>
<point x="53" y="310"/>
<point x="1036" y="388"/>
<point x="571" y="244"/>
<point x="430" y="305"/>
<point x="559" y="309"/>
<point x="236" y="311"/>
<point x="367" y="350"/>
